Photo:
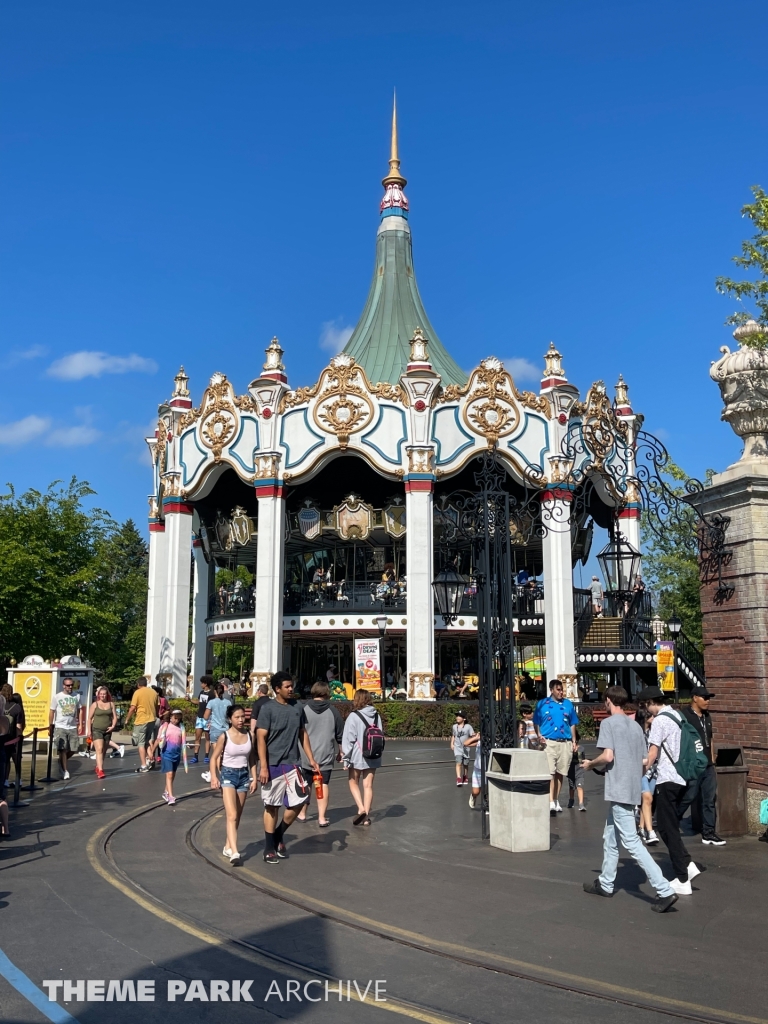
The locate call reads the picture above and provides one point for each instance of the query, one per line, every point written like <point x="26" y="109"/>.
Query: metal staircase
<point x="623" y="638"/>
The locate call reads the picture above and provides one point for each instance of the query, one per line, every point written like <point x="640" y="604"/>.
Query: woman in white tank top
<point x="233" y="770"/>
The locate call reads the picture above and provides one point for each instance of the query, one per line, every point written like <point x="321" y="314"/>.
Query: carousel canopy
<point x="380" y="343"/>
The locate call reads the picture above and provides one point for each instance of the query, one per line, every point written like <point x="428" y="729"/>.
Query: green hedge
<point x="402" y="719"/>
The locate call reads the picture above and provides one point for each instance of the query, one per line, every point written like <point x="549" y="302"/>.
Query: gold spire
<point x="394" y="177"/>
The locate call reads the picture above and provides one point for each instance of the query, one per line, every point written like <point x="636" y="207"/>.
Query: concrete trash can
<point x="731" y="791"/>
<point x="518" y="800"/>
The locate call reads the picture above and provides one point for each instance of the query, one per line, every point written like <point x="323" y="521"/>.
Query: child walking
<point x="172" y="741"/>
<point x="461" y="731"/>
<point x="576" y="776"/>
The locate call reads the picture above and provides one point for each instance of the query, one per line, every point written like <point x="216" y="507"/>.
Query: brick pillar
<point x="736" y="629"/>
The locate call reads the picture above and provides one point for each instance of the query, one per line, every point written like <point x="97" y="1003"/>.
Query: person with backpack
<point x="362" y="745"/>
<point x="676" y="748"/>
<point x="701" y="795"/>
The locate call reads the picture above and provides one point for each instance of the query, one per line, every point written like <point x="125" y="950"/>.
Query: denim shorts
<point x="238" y="779"/>
<point x="647" y="785"/>
<point x="169" y="764"/>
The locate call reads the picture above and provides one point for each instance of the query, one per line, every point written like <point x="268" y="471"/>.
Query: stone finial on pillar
<point x="419" y="359"/>
<point x="743" y="380"/>
<point x="554" y="374"/>
<point x="273" y="368"/>
<point x="180" y="399"/>
<point x="622" y="403"/>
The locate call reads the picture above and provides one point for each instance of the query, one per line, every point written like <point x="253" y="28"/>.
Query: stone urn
<point x="743" y="380"/>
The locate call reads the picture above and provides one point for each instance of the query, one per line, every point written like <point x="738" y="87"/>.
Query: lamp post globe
<point x="449" y="591"/>
<point x="674" y="625"/>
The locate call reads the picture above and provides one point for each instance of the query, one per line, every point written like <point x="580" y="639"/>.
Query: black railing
<point x="582" y="614"/>
<point x="232" y="602"/>
<point x="336" y="597"/>
<point x="689" y="652"/>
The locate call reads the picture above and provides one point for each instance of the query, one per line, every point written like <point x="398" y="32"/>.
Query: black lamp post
<point x="449" y="591"/>
<point x="620" y="563"/>
<point x="674" y="626"/>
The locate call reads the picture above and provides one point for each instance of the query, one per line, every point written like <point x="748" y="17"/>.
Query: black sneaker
<point x="712" y="840"/>
<point x="271" y="858"/>
<point x="282" y="853"/>
<point x="662" y="903"/>
<point x="764" y="837"/>
<point x="595" y="889"/>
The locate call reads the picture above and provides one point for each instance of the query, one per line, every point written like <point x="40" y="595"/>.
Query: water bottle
<point x="317" y="778"/>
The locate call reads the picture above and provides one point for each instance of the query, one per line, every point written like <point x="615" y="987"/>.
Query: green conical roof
<point x="380" y="342"/>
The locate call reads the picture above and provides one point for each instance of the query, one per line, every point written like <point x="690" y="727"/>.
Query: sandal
<point x="367" y="821"/>
<point x="359" y="819"/>
<point x="323" y="824"/>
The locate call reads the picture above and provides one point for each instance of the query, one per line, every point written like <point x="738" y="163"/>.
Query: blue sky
<point x="181" y="181"/>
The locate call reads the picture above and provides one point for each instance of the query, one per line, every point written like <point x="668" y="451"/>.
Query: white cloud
<point x="79" y="365"/>
<point x="23" y="431"/>
<point x="522" y="369"/>
<point x="75" y="435"/>
<point x="72" y="437"/>
<point x="22" y="355"/>
<point x="334" y="336"/>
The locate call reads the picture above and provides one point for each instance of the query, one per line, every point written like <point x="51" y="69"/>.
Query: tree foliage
<point x="671" y="559"/>
<point x="71" y="578"/>
<point x="754" y="256"/>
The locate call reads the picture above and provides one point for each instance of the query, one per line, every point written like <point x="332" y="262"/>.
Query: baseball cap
<point x="701" y="691"/>
<point x="651" y="693"/>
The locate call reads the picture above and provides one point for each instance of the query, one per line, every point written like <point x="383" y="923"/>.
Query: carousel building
<point x="323" y="506"/>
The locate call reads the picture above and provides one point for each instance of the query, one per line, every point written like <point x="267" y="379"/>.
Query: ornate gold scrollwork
<point x="267" y="466"/>
<point x="343" y="405"/>
<point x="491" y="409"/>
<point x="420" y="685"/>
<point x="539" y="403"/>
<point x="219" y="418"/>
<point x="600" y="425"/>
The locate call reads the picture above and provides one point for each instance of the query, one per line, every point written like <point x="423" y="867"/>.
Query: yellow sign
<point x="665" y="664"/>
<point x="35" y="690"/>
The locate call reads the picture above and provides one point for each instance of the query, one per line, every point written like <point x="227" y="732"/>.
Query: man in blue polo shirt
<point x="555" y="720"/>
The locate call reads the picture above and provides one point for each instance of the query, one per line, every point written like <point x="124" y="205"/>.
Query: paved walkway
<point x="167" y="907"/>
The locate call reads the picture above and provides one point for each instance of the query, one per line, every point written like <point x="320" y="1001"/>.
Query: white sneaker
<point x="651" y="838"/>
<point x="552" y="806"/>
<point x="226" y="852"/>
<point x="235" y="858"/>
<point x="693" y="870"/>
<point x="472" y="799"/>
<point x="558" y="808"/>
<point x="205" y="776"/>
<point x="681" y="888"/>
<point x="121" y="750"/>
<point x="65" y="776"/>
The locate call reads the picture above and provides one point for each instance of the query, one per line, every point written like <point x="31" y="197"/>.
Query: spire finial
<point x="394" y="177"/>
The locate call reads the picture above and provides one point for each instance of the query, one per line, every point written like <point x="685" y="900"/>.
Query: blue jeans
<point x="620" y="826"/>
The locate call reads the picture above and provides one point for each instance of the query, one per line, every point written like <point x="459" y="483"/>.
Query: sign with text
<point x="367" y="665"/>
<point x="665" y="664"/>
<point x="35" y="690"/>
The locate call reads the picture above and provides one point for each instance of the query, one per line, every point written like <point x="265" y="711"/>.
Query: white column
<point x="558" y="589"/>
<point x="175" y="641"/>
<point x="268" y="639"/>
<point x="155" y="598"/>
<point x="199" y="612"/>
<point x="419" y="547"/>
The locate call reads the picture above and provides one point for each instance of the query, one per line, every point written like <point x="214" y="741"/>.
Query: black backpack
<point x="373" y="737"/>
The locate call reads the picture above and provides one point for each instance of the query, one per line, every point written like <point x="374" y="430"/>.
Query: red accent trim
<point x="553" y="382"/>
<point x="197" y="543"/>
<point x="559" y="493"/>
<point x="629" y="513"/>
<point x="267" y="414"/>
<point x="274" y="376"/>
<point x="418" y="485"/>
<point x="269" y="491"/>
<point x="157" y="527"/>
<point x="178" y="507"/>
<point x="180" y="403"/>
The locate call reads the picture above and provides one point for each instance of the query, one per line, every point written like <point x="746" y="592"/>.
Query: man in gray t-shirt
<point x="622" y="750"/>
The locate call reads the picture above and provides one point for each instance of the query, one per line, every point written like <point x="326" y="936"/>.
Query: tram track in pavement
<point x="99" y="851"/>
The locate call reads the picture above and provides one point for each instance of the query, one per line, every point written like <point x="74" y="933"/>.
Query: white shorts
<point x="286" y="786"/>
<point x="477" y="768"/>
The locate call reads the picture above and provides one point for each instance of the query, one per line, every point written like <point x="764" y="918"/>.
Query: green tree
<point x="754" y="256"/>
<point x="71" y="579"/>
<point x="671" y="558"/>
